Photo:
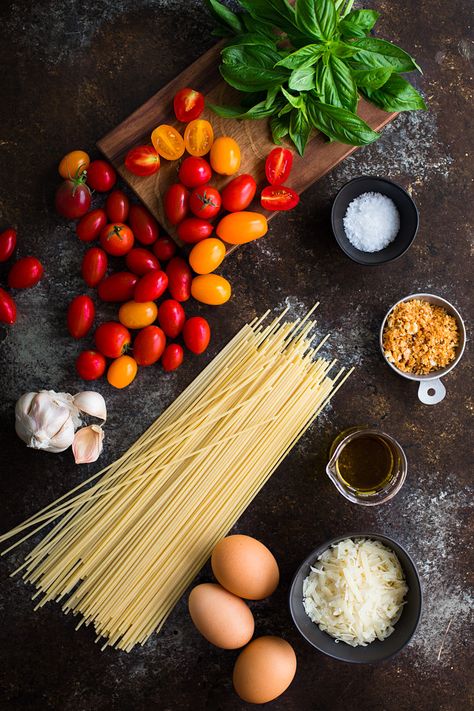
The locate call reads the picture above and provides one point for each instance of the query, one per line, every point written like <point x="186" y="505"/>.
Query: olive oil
<point x="366" y="464"/>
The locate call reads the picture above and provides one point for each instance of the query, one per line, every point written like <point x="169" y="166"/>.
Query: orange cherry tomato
<point x="206" y="255"/>
<point x="198" y="137"/>
<point x="211" y="289"/>
<point x="168" y="142"/>
<point x="225" y="156"/>
<point x="133" y="314"/>
<point x="73" y="164"/>
<point x="122" y="371"/>
<point x="242" y="227"/>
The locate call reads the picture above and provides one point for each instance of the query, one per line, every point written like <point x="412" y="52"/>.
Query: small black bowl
<point x="406" y="209"/>
<point x="376" y="651"/>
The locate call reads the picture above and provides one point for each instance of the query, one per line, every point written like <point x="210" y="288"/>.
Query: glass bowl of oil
<point x="367" y="466"/>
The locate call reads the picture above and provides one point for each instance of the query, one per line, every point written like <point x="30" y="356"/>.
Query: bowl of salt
<point x="374" y="220"/>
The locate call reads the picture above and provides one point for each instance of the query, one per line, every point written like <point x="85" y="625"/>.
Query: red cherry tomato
<point x="143" y="224"/>
<point x="73" y="198"/>
<point x="140" y="261"/>
<point x="179" y="279"/>
<point x="171" y="317"/>
<point x="196" y="334"/>
<point x="94" y="266"/>
<point x="90" y="225"/>
<point x="112" y="339"/>
<point x="80" y="316"/>
<point x="149" y="345"/>
<point x="26" y="272"/>
<point x="193" y="229"/>
<point x="194" y="171"/>
<point x="7" y="308"/>
<point x="176" y="203"/>
<point x="164" y="248"/>
<point x="205" y="202"/>
<point x="151" y="286"/>
<point x="278" y="197"/>
<point x="188" y="104"/>
<point x="101" y="176"/>
<point x="117" y="206"/>
<point x="172" y="357"/>
<point x="239" y="193"/>
<point x="117" y="239"/>
<point x="278" y="165"/>
<point x="142" y="161"/>
<point x="117" y="287"/>
<point x="90" y="365"/>
<point x="7" y="244"/>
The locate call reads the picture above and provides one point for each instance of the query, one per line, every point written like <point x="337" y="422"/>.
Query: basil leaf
<point x="251" y="68"/>
<point x="251" y="40"/>
<point x="358" y="23"/>
<point x="271" y="96"/>
<point x="287" y="107"/>
<point x="335" y="85"/>
<point x="301" y="79"/>
<point x="341" y="10"/>
<point x="302" y="58"/>
<point x="396" y="95"/>
<point x="300" y="128"/>
<point x="254" y="26"/>
<point x="297" y="102"/>
<point x="258" y="111"/>
<point x="317" y="18"/>
<point x="376" y="53"/>
<point x="278" y="13"/>
<point x="224" y="16"/>
<point x="339" y="124"/>
<point x="342" y="49"/>
<point x="279" y="128"/>
<point x="371" y="78"/>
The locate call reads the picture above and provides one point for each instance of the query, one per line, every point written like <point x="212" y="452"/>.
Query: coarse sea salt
<point x="371" y="222"/>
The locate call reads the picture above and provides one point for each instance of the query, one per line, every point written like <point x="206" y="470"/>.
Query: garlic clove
<point x="88" y="444"/>
<point x="62" y="439"/>
<point x="91" y="403"/>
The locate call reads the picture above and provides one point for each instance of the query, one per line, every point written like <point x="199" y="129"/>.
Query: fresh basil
<point x="280" y="127"/>
<point x="252" y="39"/>
<point x="251" y="68"/>
<point x="396" y="95"/>
<point x="300" y="128"/>
<point x="258" y="111"/>
<point x="341" y="49"/>
<point x="371" y="78"/>
<point x="335" y="85"/>
<point x="276" y="12"/>
<point x="374" y="52"/>
<point x="227" y="19"/>
<point x="302" y="79"/>
<point x="339" y="124"/>
<point x="316" y="18"/>
<point x="302" y="58"/>
<point x="358" y="23"/>
<point x="297" y="102"/>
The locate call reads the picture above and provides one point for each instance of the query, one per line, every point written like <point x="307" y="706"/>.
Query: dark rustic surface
<point x="72" y="70"/>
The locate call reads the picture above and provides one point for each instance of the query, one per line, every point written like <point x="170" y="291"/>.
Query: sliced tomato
<point x="142" y="161"/>
<point x="168" y="142"/>
<point x="188" y="104"/>
<point x="198" y="137"/>
<point x="279" y="197"/>
<point x="278" y="165"/>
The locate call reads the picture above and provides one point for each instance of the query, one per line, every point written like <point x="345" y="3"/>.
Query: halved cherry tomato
<point x="164" y="248"/>
<point x="7" y="244"/>
<point x="239" y="193"/>
<point x="206" y="256"/>
<point x="194" y="171"/>
<point x="7" y="308"/>
<point x="80" y="316"/>
<point x="278" y="165"/>
<point x="211" y="289"/>
<point x="176" y="203"/>
<point x="188" y="104"/>
<point x="196" y="334"/>
<point x="205" y="202"/>
<point x="73" y="198"/>
<point x="179" y="279"/>
<point x="90" y="225"/>
<point x="94" y="266"/>
<point x="142" y="160"/>
<point x="138" y="315"/>
<point x="168" y="142"/>
<point x="225" y="156"/>
<point x="122" y="371"/>
<point x="149" y="345"/>
<point x="193" y="229"/>
<point x="151" y="286"/>
<point x="117" y="206"/>
<point x="90" y="365"/>
<point x="143" y="224"/>
<point x="117" y="287"/>
<point x="117" y="239"/>
<point x="140" y="261"/>
<point x="101" y="176"/>
<point x="73" y="164"/>
<point x="25" y="273"/>
<point x="198" y="137"/>
<point x="278" y="197"/>
<point x="172" y="357"/>
<point x="242" y="227"/>
<point x="171" y="317"/>
<point x="112" y="339"/>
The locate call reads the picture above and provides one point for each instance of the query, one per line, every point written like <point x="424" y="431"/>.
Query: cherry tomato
<point x="188" y="104"/>
<point x="122" y="371"/>
<point x="26" y="272"/>
<point x="151" y="286"/>
<point x="117" y="239"/>
<point x="94" y="266"/>
<point x="7" y="308"/>
<point x="164" y="248"/>
<point x="198" y="137"/>
<point x="112" y="339"/>
<point x="140" y="261"/>
<point x="278" y="165"/>
<point x="193" y="229"/>
<point x="194" y="171"/>
<point x="138" y="315"/>
<point x="205" y="202"/>
<point x="7" y="244"/>
<point x="73" y="198"/>
<point x="142" y="160"/>
<point x="101" y="176"/>
<point x="206" y="255"/>
<point x="149" y="345"/>
<point x="89" y="227"/>
<point x="117" y="287"/>
<point x="179" y="279"/>
<point x="172" y="357"/>
<point x="278" y="197"/>
<point x="90" y="365"/>
<point x="80" y="316"/>
<point x="73" y="164"/>
<point x="168" y="142"/>
<point x="196" y="334"/>
<point x="211" y="289"/>
<point x="242" y="227"/>
<point x="225" y="156"/>
<point x="176" y="203"/>
<point x="117" y="206"/>
<point x="171" y="317"/>
<point x="239" y="193"/>
<point x="143" y="224"/>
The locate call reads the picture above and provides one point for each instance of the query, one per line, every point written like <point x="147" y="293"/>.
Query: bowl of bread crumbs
<point x="422" y="338"/>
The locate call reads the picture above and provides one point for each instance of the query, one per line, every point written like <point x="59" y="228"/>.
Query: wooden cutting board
<point x="253" y="137"/>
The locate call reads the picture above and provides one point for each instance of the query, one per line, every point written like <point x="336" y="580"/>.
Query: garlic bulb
<point x="88" y="444"/>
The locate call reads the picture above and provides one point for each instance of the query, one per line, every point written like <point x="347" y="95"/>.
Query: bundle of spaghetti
<point x="125" y="549"/>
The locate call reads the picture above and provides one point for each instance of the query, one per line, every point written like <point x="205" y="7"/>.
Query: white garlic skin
<point x="44" y="420"/>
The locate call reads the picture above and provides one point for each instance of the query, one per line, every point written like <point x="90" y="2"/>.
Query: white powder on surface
<point x="371" y="222"/>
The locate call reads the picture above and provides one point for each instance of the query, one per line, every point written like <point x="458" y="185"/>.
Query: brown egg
<point x="245" y="566"/>
<point x="264" y="669"/>
<point x="222" y="618"/>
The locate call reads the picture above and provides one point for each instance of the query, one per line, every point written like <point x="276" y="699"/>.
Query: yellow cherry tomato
<point x="211" y="289"/>
<point x="241" y="227"/>
<point x="225" y="156"/>
<point x="206" y="255"/>
<point x="168" y="142"/>
<point x="138" y="315"/>
<point x="122" y="371"/>
<point x="73" y="164"/>
<point x="198" y="137"/>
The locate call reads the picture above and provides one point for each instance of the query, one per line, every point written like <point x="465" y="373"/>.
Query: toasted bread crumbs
<point x="419" y="337"/>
